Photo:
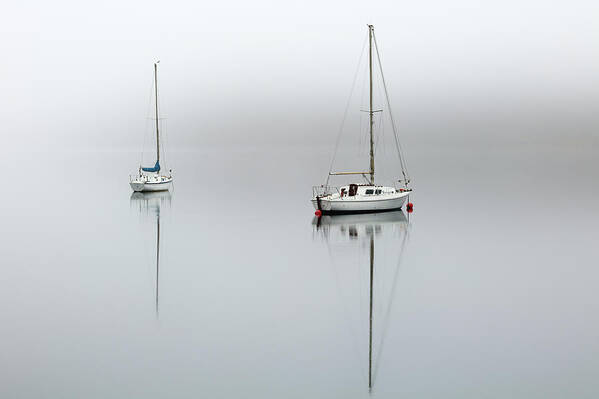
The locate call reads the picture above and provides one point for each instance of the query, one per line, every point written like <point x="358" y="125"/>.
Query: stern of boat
<point x="137" y="186"/>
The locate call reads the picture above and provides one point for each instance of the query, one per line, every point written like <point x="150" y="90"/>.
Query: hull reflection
<point x="361" y="219"/>
<point x="150" y="205"/>
<point x="382" y="238"/>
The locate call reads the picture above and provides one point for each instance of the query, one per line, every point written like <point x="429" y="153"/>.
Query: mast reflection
<point x="149" y="206"/>
<point x="360" y="232"/>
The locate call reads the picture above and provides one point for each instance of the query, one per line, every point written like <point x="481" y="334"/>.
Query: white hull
<point x="140" y="186"/>
<point x="361" y="203"/>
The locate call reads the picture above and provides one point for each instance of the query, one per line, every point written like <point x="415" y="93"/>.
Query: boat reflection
<point x="150" y="206"/>
<point x="351" y="240"/>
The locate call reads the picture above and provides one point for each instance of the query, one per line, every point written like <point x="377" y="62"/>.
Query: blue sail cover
<point x="156" y="168"/>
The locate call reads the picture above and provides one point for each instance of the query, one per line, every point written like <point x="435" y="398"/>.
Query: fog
<point x="490" y="284"/>
<point x="78" y="75"/>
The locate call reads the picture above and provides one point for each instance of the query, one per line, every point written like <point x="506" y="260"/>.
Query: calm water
<point x="488" y="289"/>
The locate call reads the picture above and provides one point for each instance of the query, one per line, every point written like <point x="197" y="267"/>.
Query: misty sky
<point x="78" y="75"/>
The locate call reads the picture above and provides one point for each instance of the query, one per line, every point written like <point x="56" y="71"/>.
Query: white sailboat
<point x="366" y="196"/>
<point x="150" y="178"/>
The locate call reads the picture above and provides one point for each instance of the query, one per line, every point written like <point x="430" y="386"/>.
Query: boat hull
<point x="361" y="204"/>
<point x="139" y="186"/>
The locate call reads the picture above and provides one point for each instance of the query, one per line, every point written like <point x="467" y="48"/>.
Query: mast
<point x="371" y="111"/>
<point x="156" y="101"/>
<point x="370" y="329"/>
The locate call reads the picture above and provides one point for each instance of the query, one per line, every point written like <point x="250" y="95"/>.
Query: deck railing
<point x="324" y="190"/>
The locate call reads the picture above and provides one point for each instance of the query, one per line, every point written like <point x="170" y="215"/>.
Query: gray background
<point x="496" y="289"/>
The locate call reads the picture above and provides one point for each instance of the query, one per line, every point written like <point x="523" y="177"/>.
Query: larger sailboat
<point x="150" y="178"/>
<point x="365" y="196"/>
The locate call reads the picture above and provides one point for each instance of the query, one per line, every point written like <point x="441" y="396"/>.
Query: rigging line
<point x="163" y="141"/>
<point x="163" y="145"/>
<point x="363" y="133"/>
<point x="381" y="122"/>
<point x="404" y="169"/>
<point x="378" y="126"/>
<point x="143" y="148"/>
<point x="161" y="125"/>
<point x="364" y="105"/>
<point x="382" y="135"/>
<point x="345" y="112"/>
<point x="164" y="134"/>
<point x="164" y="137"/>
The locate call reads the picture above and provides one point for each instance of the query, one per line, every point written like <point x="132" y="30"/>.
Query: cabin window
<point x="353" y="190"/>
<point x="378" y="191"/>
<point x="370" y="191"/>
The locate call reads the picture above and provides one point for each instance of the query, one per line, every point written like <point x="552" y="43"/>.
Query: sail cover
<point x="156" y="168"/>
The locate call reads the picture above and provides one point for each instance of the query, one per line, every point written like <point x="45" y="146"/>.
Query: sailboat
<point x="354" y="233"/>
<point x="150" y="178"/>
<point x="367" y="196"/>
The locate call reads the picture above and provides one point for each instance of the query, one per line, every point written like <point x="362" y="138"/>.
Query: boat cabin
<point x="355" y="189"/>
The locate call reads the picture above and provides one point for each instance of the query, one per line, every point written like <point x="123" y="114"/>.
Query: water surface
<point x="488" y="289"/>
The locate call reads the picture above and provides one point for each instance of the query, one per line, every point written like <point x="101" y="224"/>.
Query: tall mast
<point x="371" y="112"/>
<point x="156" y="101"/>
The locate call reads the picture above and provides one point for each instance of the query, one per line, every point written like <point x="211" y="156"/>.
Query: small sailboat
<point x="150" y="178"/>
<point x="366" y="196"/>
